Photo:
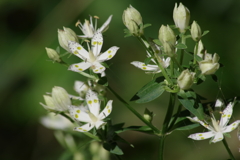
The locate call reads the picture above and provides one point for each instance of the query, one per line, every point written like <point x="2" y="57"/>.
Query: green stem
<point x="182" y="51"/>
<point x="228" y="149"/>
<point x="144" y="42"/>
<point x="161" y="147"/>
<point x="175" y="118"/>
<point x="195" y="53"/>
<point x="134" y="111"/>
<point x="66" y="116"/>
<point x="169" y="113"/>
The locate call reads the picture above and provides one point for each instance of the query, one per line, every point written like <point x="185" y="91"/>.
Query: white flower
<point x="209" y="65"/>
<point x="92" y="58"/>
<point x="58" y="101"/>
<point x="56" y="121"/>
<point x="217" y="129"/>
<point x="152" y="68"/>
<point x="90" y="115"/>
<point x="89" y="29"/>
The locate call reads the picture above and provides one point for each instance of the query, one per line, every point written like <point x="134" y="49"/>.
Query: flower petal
<point x="145" y="67"/>
<point x="78" y="50"/>
<point x="99" y="124"/>
<point x="195" y="119"/>
<point x="79" y="114"/>
<point x="107" y="110"/>
<point x="108" y="54"/>
<point x="93" y="102"/>
<point x="79" y="67"/>
<point x="98" y="68"/>
<point x="105" y="25"/>
<point x="218" y="137"/>
<point x="97" y="42"/>
<point x="80" y="87"/>
<point x="84" y="128"/>
<point x="226" y="115"/>
<point x="231" y="127"/>
<point x="201" y="136"/>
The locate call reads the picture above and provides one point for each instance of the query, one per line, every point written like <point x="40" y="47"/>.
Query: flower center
<point x="93" y="117"/>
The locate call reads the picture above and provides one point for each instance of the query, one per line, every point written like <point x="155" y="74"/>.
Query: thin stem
<point x="161" y="147"/>
<point x="169" y="113"/>
<point x="134" y="111"/>
<point x="182" y="51"/>
<point x="175" y="118"/>
<point x="195" y="53"/>
<point x="66" y="116"/>
<point x="228" y="149"/>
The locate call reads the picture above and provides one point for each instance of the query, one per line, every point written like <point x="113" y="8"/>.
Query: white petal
<point x="226" y="115"/>
<point x="93" y="102"/>
<point x="98" y="68"/>
<point x="195" y="119"/>
<point x="80" y="87"/>
<point x="79" y="114"/>
<point x="231" y="127"/>
<point x="105" y="25"/>
<point x="79" y="67"/>
<point x="78" y="50"/>
<point x="145" y="67"/>
<point x="166" y="62"/>
<point x="97" y="42"/>
<point x="107" y="110"/>
<point x="218" y="103"/>
<point x="218" y="137"/>
<point x="201" y="136"/>
<point x="84" y="128"/>
<point x="99" y="124"/>
<point x="108" y="54"/>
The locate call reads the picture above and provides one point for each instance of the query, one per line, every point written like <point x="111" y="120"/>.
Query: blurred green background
<point x="27" y="27"/>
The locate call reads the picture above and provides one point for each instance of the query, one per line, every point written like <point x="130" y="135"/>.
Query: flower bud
<point x="181" y="17"/>
<point x="186" y="79"/>
<point x="196" y="31"/>
<point x="59" y="101"/>
<point x="169" y="49"/>
<point x="200" y="49"/>
<point x="53" y="55"/>
<point x="66" y="35"/>
<point x="148" y="115"/>
<point x="166" y="34"/>
<point x="132" y="19"/>
<point x="210" y="64"/>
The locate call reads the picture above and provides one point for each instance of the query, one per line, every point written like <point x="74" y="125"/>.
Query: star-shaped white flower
<point x="90" y="115"/>
<point x="217" y="129"/>
<point x="89" y="29"/>
<point x="152" y="68"/>
<point x="91" y="58"/>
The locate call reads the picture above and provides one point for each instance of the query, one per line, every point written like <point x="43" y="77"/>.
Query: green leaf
<point x="113" y="148"/>
<point x="156" y="41"/>
<point x="192" y="103"/>
<point x="144" y="129"/>
<point x="214" y="77"/>
<point x="204" y="33"/>
<point x="181" y="46"/>
<point x="146" y="25"/>
<point x="147" y="60"/>
<point x="198" y="58"/>
<point x="184" y="124"/>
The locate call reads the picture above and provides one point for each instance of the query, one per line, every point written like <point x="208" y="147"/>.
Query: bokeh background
<point x="27" y="27"/>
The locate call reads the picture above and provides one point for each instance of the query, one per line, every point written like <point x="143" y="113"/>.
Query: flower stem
<point x="182" y="51"/>
<point x="134" y="111"/>
<point x="228" y="149"/>
<point x="161" y="147"/>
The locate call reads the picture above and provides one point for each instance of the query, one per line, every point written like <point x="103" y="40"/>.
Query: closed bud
<point x="169" y="49"/>
<point x="132" y="19"/>
<point x="181" y="17"/>
<point x="196" y="31"/>
<point x="58" y="101"/>
<point x="186" y="79"/>
<point x="66" y="35"/>
<point x="200" y="49"/>
<point x="209" y="65"/>
<point x="166" y="34"/>
<point x="53" y="55"/>
<point x="148" y="115"/>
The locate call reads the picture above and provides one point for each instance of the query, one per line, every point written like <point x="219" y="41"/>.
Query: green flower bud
<point x="58" y="102"/>
<point x="196" y="31"/>
<point x="210" y="64"/>
<point x="200" y="49"/>
<point x="53" y="55"/>
<point x="169" y="49"/>
<point x="132" y="19"/>
<point x="186" y="79"/>
<point x="148" y="115"/>
<point x="181" y="17"/>
<point x="166" y="34"/>
<point x="66" y="35"/>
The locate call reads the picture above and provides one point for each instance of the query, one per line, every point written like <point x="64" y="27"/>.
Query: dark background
<point x="27" y="27"/>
